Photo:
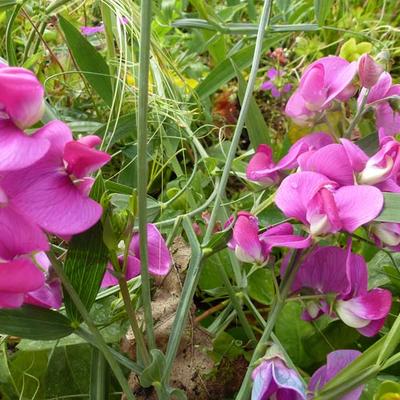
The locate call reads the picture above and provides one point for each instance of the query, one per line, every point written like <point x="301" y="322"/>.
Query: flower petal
<point x="19" y="276"/>
<point x="358" y="205"/>
<point x="19" y="235"/>
<point x="159" y="257"/>
<point x="18" y="150"/>
<point x="82" y="160"/>
<point x="331" y="161"/>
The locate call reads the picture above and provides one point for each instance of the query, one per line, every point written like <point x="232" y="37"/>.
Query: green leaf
<point x="90" y="62"/>
<point x="391" y="208"/>
<point x="5" y="4"/>
<point x="369" y="144"/>
<point x="224" y="71"/>
<point x="218" y="241"/>
<point x="86" y="261"/>
<point x="260" y="286"/>
<point x="99" y="376"/>
<point x="376" y="269"/>
<point x="291" y="330"/>
<point x="34" y="323"/>
<point x="322" y="9"/>
<point x="154" y="372"/>
<point x="118" y="129"/>
<point x="335" y="336"/>
<point x="256" y="126"/>
<point x="388" y="390"/>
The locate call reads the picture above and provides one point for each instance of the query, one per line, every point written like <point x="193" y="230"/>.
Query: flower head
<point x="273" y="379"/>
<point x="274" y="85"/>
<point x="343" y="276"/>
<point x="324" y="81"/>
<point x="252" y="247"/>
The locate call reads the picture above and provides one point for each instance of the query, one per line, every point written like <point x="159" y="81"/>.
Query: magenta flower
<point x="273" y="84"/>
<point x="387" y="119"/>
<point x="159" y="257"/>
<point x="17" y="278"/>
<point x="53" y="191"/>
<point x="325" y="80"/>
<point x="92" y="30"/>
<point x="339" y="272"/>
<point x="324" y="208"/>
<point x="273" y="379"/>
<point x="49" y="295"/>
<point x="252" y="247"/>
<point x="369" y="71"/>
<point x="336" y="361"/>
<point x="21" y="96"/>
<point x="261" y="167"/>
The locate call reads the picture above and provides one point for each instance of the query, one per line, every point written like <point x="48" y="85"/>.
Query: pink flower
<point x="369" y="71"/>
<point x="50" y="294"/>
<point x="21" y="96"/>
<point x="92" y="30"/>
<point x="318" y="203"/>
<point x="273" y="83"/>
<point x="336" y="361"/>
<point x="273" y="379"/>
<point x="252" y="247"/>
<point x="324" y="81"/>
<point x="53" y="191"/>
<point x="333" y="270"/>
<point x="262" y="168"/>
<point x="159" y="257"/>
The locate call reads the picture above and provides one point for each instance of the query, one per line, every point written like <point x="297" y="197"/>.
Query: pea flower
<point x="252" y="247"/>
<point x="273" y="84"/>
<point x="159" y="257"/>
<point x="274" y="379"/>
<point x="53" y="191"/>
<point x="336" y="361"/>
<point x="21" y="96"/>
<point x="342" y="276"/>
<point x="324" y="207"/>
<point x="323" y="81"/>
<point x="262" y="168"/>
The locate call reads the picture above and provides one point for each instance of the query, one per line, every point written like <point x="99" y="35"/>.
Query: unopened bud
<point x="369" y="71"/>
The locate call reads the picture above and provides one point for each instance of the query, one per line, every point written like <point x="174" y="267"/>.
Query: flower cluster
<point x="44" y="186"/>
<point x="327" y="184"/>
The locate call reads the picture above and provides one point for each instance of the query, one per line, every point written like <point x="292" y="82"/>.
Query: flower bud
<point x="369" y="71"/>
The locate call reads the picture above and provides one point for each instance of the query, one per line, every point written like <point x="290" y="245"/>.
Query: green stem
<point x="126" y="362"/>
<point x="277" y="307"/>
<point x="236" y="303"/>
<point x="264" y="22"/>
<point x="141" y="344"/>
<point x="357" y="117"/>
<point x="101" y="344"/>
<point x="144" y="62"/>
